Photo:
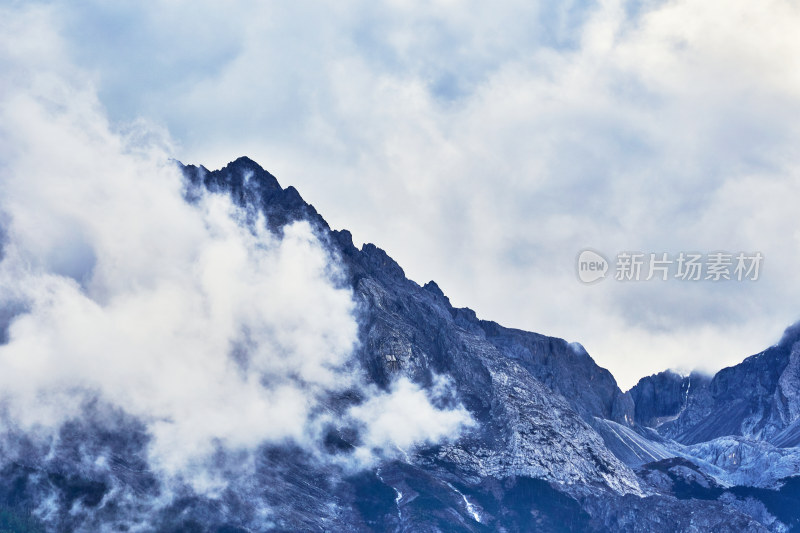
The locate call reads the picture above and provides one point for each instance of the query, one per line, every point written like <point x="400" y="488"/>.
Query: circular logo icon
<point x="591" y="266"/>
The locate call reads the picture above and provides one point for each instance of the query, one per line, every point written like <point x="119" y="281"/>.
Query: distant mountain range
<point x="557" y="446"/>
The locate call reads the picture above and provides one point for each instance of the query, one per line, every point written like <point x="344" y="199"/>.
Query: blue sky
<point x="484" y="145"/>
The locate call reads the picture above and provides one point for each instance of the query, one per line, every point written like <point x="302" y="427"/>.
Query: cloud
<point x="192" y="318"/>
<point x="485" y="147"/>
<point x="406" y="417"/>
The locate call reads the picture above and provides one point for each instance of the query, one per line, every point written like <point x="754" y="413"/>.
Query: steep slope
<point x="567" y="369"/>
<point x="526" y="428"/>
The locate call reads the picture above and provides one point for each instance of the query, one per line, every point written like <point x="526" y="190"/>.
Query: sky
<point x="485" y="145"/>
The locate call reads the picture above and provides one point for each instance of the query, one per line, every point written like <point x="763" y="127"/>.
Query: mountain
<point x="555" y="444"/>
<point x="758" y="398"/>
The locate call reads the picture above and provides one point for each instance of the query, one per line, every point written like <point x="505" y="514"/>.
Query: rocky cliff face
<point x="758" y="398"/>
<point x="556" y="446"/>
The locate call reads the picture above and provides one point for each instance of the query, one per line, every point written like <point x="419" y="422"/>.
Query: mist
<point x="189" y="317"/>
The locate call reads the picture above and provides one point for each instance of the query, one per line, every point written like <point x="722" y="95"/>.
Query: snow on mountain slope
<point x="488" y="428"/>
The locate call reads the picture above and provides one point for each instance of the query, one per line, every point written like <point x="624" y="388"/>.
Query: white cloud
<point x="405" y="417"/>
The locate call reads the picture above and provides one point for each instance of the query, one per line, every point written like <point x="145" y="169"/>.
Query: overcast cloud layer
<point x="484" y="145"/>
